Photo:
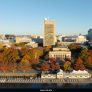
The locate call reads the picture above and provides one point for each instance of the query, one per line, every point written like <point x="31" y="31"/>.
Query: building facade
<point x="20" y="39"/>
<point x="74" y="74"/>
<point x="81" y="39"/>
<point x="60" y="53"/>
<point x="89" y="35"/>
<point x="32" y="44"/>
<point x="49" y="33"/>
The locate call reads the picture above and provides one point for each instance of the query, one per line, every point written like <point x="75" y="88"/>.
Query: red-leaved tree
<point x="79" y="64"/>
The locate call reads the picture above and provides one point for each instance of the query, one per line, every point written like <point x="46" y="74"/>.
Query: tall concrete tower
<point x="49" y="32"/>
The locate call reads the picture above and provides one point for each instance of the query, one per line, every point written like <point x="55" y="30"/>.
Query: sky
<point x="27" y="16"/>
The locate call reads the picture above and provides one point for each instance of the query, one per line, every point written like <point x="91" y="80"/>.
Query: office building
<point x="49" y="33"/>
<point x="89" y="35"/>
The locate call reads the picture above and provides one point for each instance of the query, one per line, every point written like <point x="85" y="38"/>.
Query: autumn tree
<point x="1" y="58"/>
<point x="21" y="44"/>
<point x="79" y="64"/>
<point x="4" y="67"/>
<point x="24" y="66"/>
<point x="45" y="66"/>
<point x="12" y="67"/>
<point x="75" y="48"/>
<point x="88" y="62"/>
<point x="10" y="55"/>
<point x="26" y="58"/>
<point x="36" y="53"/>
<point x="47" y="48"/>
<point x="8" y="59"/>
<point x="52" y="60"/>
<point x="67" y="66"/>
<point x="54" y="66"/>
<point x="84" y="54"/>
<point x="24" y="51"/>
<point x="1" y="48"/>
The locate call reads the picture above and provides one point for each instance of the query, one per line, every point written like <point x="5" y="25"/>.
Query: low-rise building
<point x="32" y="44"/>
<point x="48" y="76"/>
<point x="70" y="38"/>
<point x="20" y="39"/>
<point x="77" y="74"/>
<point x="64" y="43"/>
<point x="81" y="39"/>
<point x="73" y="74"/>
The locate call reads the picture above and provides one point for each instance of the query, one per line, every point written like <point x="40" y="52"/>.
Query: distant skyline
<point x="27" y="16"/>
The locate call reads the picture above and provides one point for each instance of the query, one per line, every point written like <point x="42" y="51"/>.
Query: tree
<point x="54" y="66"/>
<point x="34" y="61"/>
<point x="12" y="67"/>
<point x="52" y="60"/>
<point x="24" y="51"/>
<point x="26" y="58"/>
<point x="4" y="67"/>
<point x="88" y="62"/>
<point x="10" y="55"/>
<point x="8" y="59"/>
<point x="1" y="58"/>
<point x="84" y="54"/>
<point x="67" y="66"/>
<point x="79" y="64"/>
<point x="75" y="47"/>
<point x="22" y="44"/>
<point x="45" y="67"/>
<point x="1" y="48"/>
<point x="24" y="66"/>
<point x="47" y="48"/>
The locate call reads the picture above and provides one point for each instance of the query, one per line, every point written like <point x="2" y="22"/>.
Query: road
<point x="21" y="80"/>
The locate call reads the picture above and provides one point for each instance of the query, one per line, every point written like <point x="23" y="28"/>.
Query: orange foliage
<point x="89" y="60"/>
<point x="52" y="60"/>
<point x="45" y="67"/>
<point x="79" y="64"/>
<point x="54" y="66"/>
